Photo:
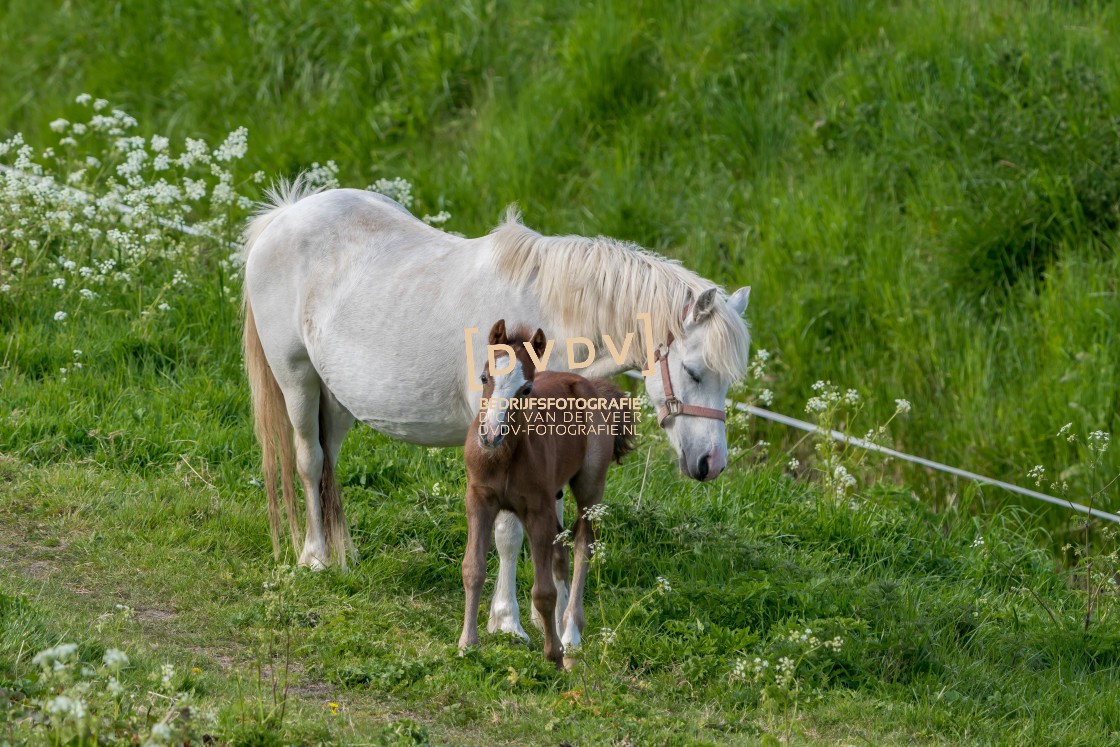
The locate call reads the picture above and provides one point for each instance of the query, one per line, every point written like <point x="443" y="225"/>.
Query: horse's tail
<point x="620" y="418"/>
<point x="270" y="414"/>
<point x="274" y="431"/>
<point x="337" y="531"/>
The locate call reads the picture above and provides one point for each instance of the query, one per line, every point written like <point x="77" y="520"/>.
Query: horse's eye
<point x="526" y="389"/>
<point x="692" y="376"/>
<point x="484" y="378"/>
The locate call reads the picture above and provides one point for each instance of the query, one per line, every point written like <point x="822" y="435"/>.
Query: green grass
<point x="924" y="197"/>
<point x="942" y="644"/>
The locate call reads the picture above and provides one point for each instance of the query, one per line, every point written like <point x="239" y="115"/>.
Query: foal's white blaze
<point x="495" y="420"/>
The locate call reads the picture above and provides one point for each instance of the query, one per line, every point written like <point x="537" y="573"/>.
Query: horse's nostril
<point x="702" y="467"/>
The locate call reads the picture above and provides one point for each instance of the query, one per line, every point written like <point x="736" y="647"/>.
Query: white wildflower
<point x="59" y="125"/>
<point x="597" y="512"/>
<point x="978" y="542"/>
<point x="766" y="397"/>
<point x="164" y="306"/>
<point x="100" y="104"/>
<point x="901" y="406"/>
<point x="83" y="99"/>
<point x="5" y="288"/>
<point x="793" y="463"/>
<point x="115" y="658"/>
<point x="663" y="585"/>
<point x="61" y="652"/>
<point x="1038" y="472"/>
<point x="60" y="316"/>
<point x="1064" y="430"/>
<point x="1098" y="441"/>
<point x="60" y="706"/>
<point x="852" y="397"/>
<point x="16" y="262"/>
<point x="395" y="189"/>
<point x="438" y="219"/>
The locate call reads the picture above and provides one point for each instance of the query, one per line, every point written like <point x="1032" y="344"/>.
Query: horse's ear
<point x="737" y="302"/>
<point x="704" y="303"/>
<point x="539" y="343"/>
<point x="498" y="333"/>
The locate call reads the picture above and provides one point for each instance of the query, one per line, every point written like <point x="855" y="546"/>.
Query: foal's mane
<point x="597" y="285"/>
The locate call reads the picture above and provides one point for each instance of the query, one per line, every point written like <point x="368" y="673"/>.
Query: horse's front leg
<point x="505" y="617"/>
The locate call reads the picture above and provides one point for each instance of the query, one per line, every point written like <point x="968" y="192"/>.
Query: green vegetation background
<point x="924" y="197"/>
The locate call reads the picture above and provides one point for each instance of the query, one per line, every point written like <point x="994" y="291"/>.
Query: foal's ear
<point x="703" y="305"/>
<point x="539" y="343"/>
<point x="498" y="333"/>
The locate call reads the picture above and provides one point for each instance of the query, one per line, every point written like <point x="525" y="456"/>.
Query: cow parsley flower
<point x="115" y="658"/>
<point x="59" y="125"/>
<point x="901" y="406"/>
<point x="60" y="316"/>
<point x="1038" y="472"/>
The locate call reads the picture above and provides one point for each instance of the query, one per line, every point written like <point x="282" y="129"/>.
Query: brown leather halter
<point x="674" y="406"/>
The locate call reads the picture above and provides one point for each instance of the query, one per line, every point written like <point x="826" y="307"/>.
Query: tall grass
<point x="923" y="195"/>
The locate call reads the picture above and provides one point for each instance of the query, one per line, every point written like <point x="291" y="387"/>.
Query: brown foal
<point x="519" y="455"/>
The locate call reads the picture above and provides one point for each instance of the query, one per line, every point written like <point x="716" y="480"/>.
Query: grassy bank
<point x="945" y="625"/>
<point x="923" y="195"/>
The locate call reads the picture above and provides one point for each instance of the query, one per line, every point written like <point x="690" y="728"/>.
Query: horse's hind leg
<point x="301" y="388"/>
<point x="505" y="617"/>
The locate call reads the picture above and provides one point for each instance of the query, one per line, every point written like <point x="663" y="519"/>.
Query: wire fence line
<point x="860" y="443"/>
<point x="758" y="412"/>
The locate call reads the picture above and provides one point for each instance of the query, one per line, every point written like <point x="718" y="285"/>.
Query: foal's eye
<point x="526" y="389"/>
<point x="484" y="378"/>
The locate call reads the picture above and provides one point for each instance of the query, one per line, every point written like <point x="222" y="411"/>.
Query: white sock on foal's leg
<point x="505" y="616"/>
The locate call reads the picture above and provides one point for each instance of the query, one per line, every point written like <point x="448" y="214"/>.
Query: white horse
<point x="356" y="310"/>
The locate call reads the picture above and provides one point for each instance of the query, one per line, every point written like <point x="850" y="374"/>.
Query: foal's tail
<point x="623" y="425"/>
<point x="274" y="431"/>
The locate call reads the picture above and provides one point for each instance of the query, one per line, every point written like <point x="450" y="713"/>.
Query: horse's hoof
<point x="312" y="562"/>
<point x="569" y="664"/>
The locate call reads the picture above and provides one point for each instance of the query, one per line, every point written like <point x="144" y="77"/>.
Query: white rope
<point x="758" y="412"/>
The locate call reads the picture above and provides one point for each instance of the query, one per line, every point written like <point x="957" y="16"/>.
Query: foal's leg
<point x="587" y="487"/>
<point x="572" y="628"/>
<point x="542" y="532"/>
<point x="480" y="519"/>
<point x="505" y="617"/>
<point x="559" y="577"/>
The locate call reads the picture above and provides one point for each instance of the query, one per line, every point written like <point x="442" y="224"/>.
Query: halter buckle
<point x="673" y="405"/>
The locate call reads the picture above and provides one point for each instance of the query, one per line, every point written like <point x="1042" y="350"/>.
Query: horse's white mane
<point x="597" y="285"/>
